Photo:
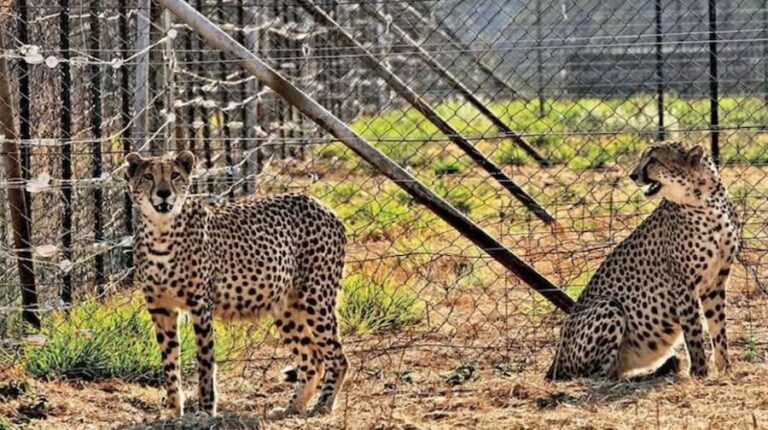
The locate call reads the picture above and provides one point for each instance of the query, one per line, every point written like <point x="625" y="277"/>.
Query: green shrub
<point x="369" y="306"/>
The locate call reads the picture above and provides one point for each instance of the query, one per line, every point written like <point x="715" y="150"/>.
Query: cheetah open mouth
<point x="652" y="189"/>
<point x="163" y="208"/>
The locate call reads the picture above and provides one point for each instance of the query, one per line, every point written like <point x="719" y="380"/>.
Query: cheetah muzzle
<point x="655" y="288"/>
<point x="280" y="256"/>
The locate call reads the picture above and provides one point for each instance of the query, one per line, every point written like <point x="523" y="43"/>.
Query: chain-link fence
<point x="555" y="98"/>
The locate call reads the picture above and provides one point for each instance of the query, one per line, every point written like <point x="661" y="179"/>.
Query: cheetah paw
<point x="700" y="373"/>
<point x="320" y="409"/>
<point x="279" y="413"/>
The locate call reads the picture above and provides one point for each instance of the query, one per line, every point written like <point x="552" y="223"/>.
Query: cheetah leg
<point x="713" y="303"/>
<point x="297" y="337"/>
<point x="202" y="319"/>
<point x="689" y="313"/>
<point x="336" y="363"/>
<point x="590" y="345"/>
<point x="166" y="321"/>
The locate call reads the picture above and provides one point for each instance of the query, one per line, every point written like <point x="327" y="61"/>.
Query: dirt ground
<point x="736" y="400"/>
<point x="431" y="394"/>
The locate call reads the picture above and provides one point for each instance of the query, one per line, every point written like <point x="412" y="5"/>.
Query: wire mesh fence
<point x="556" y="98"/>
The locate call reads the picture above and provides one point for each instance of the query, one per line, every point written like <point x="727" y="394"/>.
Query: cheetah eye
<point x="148" y="176"/>
<point x="175" y="175"/>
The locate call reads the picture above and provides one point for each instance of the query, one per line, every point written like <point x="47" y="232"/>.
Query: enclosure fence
<point x="524" y="115"/>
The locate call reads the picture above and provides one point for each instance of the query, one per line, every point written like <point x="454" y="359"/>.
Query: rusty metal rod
<point x="313" y="110"/>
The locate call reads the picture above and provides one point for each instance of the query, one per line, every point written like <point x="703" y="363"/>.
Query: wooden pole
<point x="402" y="89"/>
<point x="16" y="201"/>
<point x="313" y="110"/>
<point x="456" y="84"/>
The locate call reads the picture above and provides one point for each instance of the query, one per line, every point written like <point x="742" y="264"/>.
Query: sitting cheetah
<point x="659" y="281"/>
<point x="281" y="256"/>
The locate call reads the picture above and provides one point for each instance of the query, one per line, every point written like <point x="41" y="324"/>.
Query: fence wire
<point x="584" y="85"/>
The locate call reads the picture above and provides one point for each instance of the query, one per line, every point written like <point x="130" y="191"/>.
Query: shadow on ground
<point x="604" y="392"/>
<point x="225" y="421"/>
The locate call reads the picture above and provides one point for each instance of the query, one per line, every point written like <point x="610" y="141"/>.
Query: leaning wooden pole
<point x="402" y="89"/>
<point x="313" y="110"/>
<point x="16" y="200"/>
<point x="456" y="84"/>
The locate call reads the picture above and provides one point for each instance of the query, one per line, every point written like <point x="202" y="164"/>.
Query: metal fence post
<point x="203" y="112"/>
<point x="539" y="60"/>
<point x="141" y="87"/>
<point x="714" y="108"/>
<point x="96" y="118"/>
<point x="66" y="148"/>
<point x="224" y="132"/>
<point x="125" y="119"/>
<point x="659" y="70"/>
<point x="24" y="102"/>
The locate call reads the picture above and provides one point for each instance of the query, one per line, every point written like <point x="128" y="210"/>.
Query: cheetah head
<point x="159" y="185"/>
<point x="677" y="174"/>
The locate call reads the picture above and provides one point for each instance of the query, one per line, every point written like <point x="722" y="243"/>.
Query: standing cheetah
<point x="659" y="281"/>
<point x="281" y="256"/>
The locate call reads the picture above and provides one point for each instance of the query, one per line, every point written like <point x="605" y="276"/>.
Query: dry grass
<point x="735" y="400"/>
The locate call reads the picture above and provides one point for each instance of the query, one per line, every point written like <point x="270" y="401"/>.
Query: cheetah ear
<point x="695" y="155"/>
<point x="186" y="159"/>
<point x="134" y="161"/>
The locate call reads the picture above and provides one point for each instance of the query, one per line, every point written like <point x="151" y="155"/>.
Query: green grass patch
<point x="116" y="340"/>
<point x="370" y="306"/>
<point x="448" y="166"/>
<point x="510" y="154"/>
<point x="98" y="342"/>
<point x="583" y="133"/>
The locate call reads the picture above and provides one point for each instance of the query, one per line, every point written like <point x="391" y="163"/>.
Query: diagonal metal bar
<point x="449" y="36"/>
<point x="419" y="104"/>
<point x="313" y="110"/>
<point x="456" y="84"/>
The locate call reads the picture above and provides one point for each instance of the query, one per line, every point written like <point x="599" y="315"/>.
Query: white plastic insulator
<point x="51" y="62"/>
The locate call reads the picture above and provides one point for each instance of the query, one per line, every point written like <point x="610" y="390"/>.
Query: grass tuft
<point x="448" y="166"/>
<point x="102" y="341"/>
<point x="117" y="340"/>
<point x="462" y="374"/>
<point x="369" y="306"/>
